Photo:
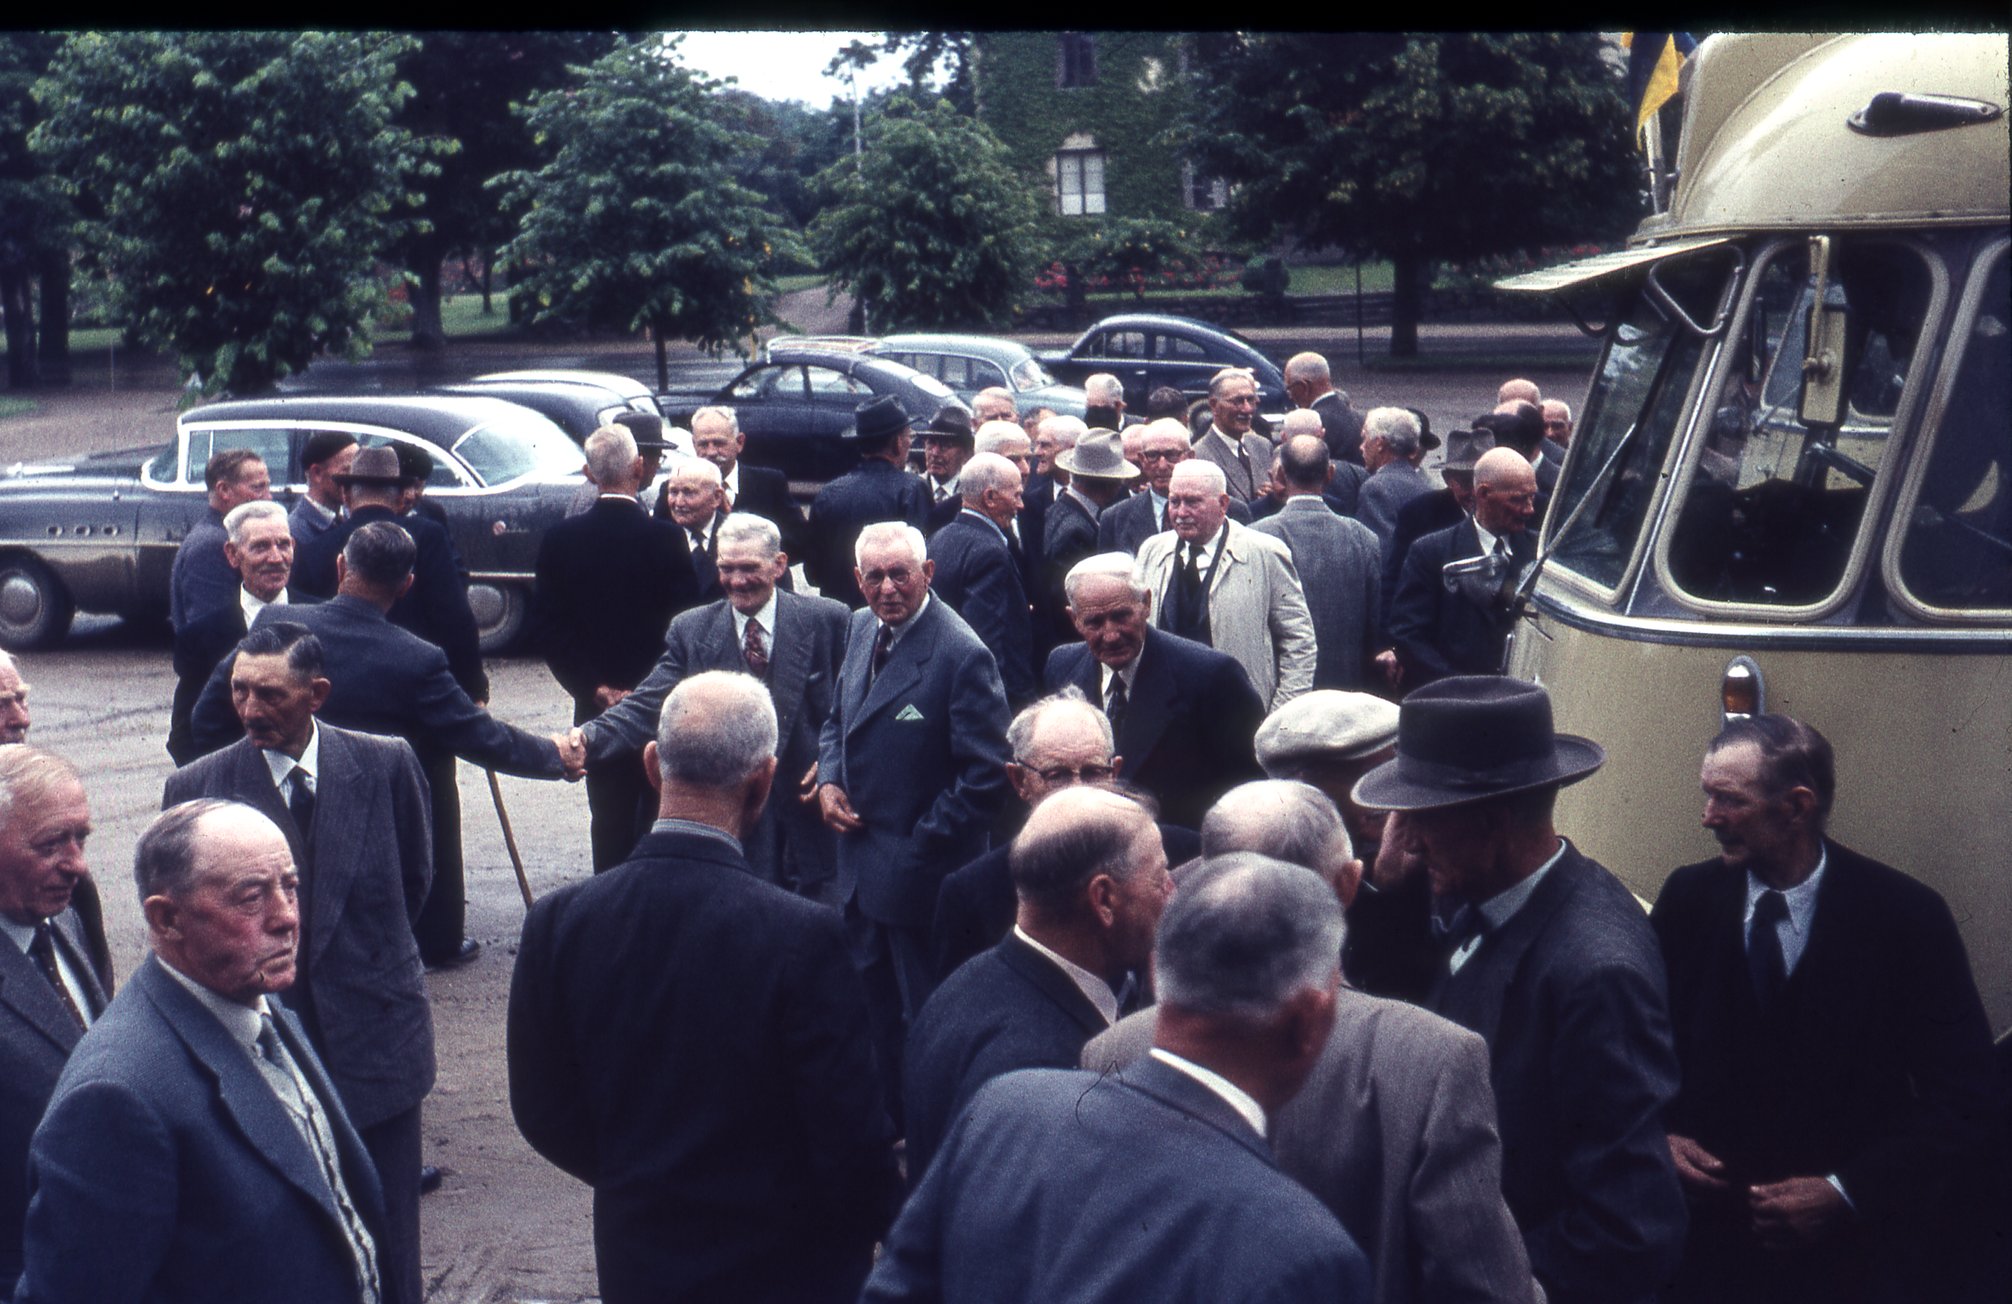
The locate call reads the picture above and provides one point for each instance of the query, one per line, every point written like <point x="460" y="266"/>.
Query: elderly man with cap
<point x="1245" y="458"/>
<point x="1440" y="632"/>
<point x="325" y="455"/>
<point x="878" y="489"/>
<point x="1337" y="560"/>
<point x="947" y="444"/>
<point x="1228" y="586"/>
<point x="1395" y="1129"/>
<point x="1553" y="962"/>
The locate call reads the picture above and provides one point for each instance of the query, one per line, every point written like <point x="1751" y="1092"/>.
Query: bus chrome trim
<point x="1724" y="634"/>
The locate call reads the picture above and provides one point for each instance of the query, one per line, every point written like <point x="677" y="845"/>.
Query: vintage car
<point x="578" y="407"/>
<point x="99" y="533"/>
<point x="1146" y="350"/>
<point x="969" y="363"/>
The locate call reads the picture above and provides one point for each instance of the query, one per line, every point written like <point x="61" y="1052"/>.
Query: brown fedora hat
<point x="377" y="465"/>
<point x="1472" y="737"/>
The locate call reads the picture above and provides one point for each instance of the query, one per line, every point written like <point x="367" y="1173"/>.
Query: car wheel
<point x="35" y="608"/>
<point x="501" y="611"/>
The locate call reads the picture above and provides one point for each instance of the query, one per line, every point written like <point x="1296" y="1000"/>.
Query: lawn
<point x="16" y="407"/>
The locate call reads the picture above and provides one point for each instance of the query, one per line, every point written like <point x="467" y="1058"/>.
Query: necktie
<point x="43" y="951"/>
<point x="283" y="1075"/>
<point x="754" y="651"/>
<point x="1114" y="705"/>
<point x="300" y="802"/>
<point x="1250" y="476"/>
<point x="942" y="494"/>
<point x="883" y="646"/>
<point x="698" y="539"/>
<point x="1764" y="958"/>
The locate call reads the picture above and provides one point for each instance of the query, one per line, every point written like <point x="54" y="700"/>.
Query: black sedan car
<point x="795" y="403"/>
<point x="99" y="534"/>
<point x="577" y="407"/>
<point x="1146" y="350"/>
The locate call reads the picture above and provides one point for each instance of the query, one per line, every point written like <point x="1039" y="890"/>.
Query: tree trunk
<point x="1406" y="303"/>
<point x="427" y="333"/>
<point x="54" y="275"/>
<point x="17" y="305"/>
<point x="663" y="364"/>
<point x="488" y="267"/>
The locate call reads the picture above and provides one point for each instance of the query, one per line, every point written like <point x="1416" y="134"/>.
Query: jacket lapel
<point x="1477" y="992"/>
<point x="1051" y="982"/>
<point x="904" y="665"/>
<point x="789" y="663"/>
<point x="24" y="990"/>
<point x="339" y="812"/>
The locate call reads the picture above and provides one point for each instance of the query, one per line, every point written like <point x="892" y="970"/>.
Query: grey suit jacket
<point x="1338" y="566"/>
<point x="1257" y="609"/>
<point x="167" y="1170"/>
<point x="1385" y="493"/>
<point x="920" y="752"/>
<point x="1215" y="446"/>
<point x="36" y="1037"/>
<point x="1394" y="1132"/>
<point x="365" y="872"/>
<point x="806" y="647"/>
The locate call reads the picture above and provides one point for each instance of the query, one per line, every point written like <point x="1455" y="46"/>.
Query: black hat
<point x="1426" y="439"/>
<point x="646" y="427"/>
<point x="951" y="422"/>
<point x="1471" y="737"/>
<point x="877" y="419"/>
<point x="1465" y="447"/>
<point x="415" y="464"/>
<point x="378" y="465"/>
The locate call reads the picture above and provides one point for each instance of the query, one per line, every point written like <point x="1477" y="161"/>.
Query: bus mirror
<point x="1487" y="581"/>
<point x="1823" y="362"/>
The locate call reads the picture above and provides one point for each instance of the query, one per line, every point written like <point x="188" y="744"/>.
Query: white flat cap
<point x="1327" y="722"/>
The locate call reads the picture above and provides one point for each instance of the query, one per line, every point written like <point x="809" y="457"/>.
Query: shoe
<point x="429" y="1180"/>
<point x="468" y="950"/>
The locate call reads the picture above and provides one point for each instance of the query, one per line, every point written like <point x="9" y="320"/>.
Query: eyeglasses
<point x="899" y="577"/>
<point x="1087" y="774"/>
<point x="1162" y="455"/>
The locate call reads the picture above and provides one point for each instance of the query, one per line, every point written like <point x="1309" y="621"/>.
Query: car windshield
<point x="1030" y="374"/>
<point x="515" y="446"/>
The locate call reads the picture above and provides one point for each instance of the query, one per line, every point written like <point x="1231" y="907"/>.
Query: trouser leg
<point x="394" y="1147"/>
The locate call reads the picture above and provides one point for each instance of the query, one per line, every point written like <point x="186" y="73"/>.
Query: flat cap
<point x="1327" y="722"/>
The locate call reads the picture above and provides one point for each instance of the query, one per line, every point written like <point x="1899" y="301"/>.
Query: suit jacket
<point x="1419" y="517"/>
<point x="1337" y="563"/>
<point x="977" y="576"/>
<point x="1438" y="633"/>
<point x="1129" y="522"/>
<point x="306" y="523"/>
<point x="1140" y="1185"/>
<point x="201" y="579"/>
<point x="765" y="1175"/>
<point x="875" y="490"/>
<point x="1009" y="1008"/>
<point x="199" y="647"/>
<point x="608" y="583"/>
<point x="386" y="680"/>
<point x="1384" y="494"/>
<point x="1569" y="996"/>
<point x="1257" y="609"/>
<point x="435" y="607"/>
<point x="36" y="1037"/>
<point x="1215" y="446"/>
<point x="1394" y="1132"/>
<point x="976" y="906"/>
<point x="805" y="650"/>
<point x="1344" y="491"/>
<point x="1071" y="535"/>
<point x="1342" y="425"/>
<point x="365" y="870"/>
<point x="1189" y="724"/>
<point x="764" y="492"/>
<point x="920" y="752"/>
<point x="164" y="1129"/>
<point x="1874" y="1066"/>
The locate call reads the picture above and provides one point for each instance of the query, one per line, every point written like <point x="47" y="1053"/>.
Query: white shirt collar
<point x="23" y="934"/>
<point x="767" y="618"/>
<point x="1801" y="901"/>
<point x="1206" y="555"/>
<point x="1094" y="989"/>
<point x="901" y="630"/>
<point x="732" y="481"/>
<point x="251" y="604"/>
<point x="1487" y="536"/>
<point x="242" y="1022"/>
<point x="283" y="765"/>
<point x="1233" y="1095"/>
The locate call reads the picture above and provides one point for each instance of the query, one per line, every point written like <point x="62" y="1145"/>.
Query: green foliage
<point x="932" y="227"/>
<point x="784" y="146"/>
<point x="636" y="219"/>
<point x="1135" y="254"/>
<point x="239" y="186"/>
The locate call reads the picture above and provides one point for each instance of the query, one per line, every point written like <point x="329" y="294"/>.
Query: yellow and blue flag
<point x="1653" y="61"/>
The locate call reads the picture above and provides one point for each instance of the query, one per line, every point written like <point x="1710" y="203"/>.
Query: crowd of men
<point x="1128" y="877"/>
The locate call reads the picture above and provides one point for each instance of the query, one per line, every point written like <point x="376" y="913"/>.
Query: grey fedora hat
<point x="1472" y="737"/>
<point x="1100" y="454"/>
<point x="377" y="465"/>
<point x="1465" y="447"/>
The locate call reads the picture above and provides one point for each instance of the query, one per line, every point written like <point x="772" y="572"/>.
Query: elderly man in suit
<point x="1438" y="633"/>
<point x="387" y="680"/>
<point x="979" y="576"/>
<point x="608" y="582"/>
<point x="911" y="770"/>
<point x="1344" y="485"/>
<point x="1091" y="877"/>
<point x="769" y="1173"/>
<point x="695" y="499"/>
<point x="757" y="490"/>
<point x="195" y="1151"/>
<point x="1438" y="509"/>
<point x="14" y="719"/>
<point x="1337" y="563"/>
<point x="55" y="977"/>
<point x="353" y="807"/>
<point x="1309" y="384"/>
<point x="1226" y="585"/>
<point x="1837" y="1108"/>
<point x="1395" y="1128"/>
<point x="794" y="643"/>
<point x="258" y="544"/>
<point x="1155" y="1182"/>
<point x="1553" y="963"/>
<point x="1244" y="457"/>
<point x="948" y="442"/>
<point x="878" y="489"/>
<point x="326" y="455"/>
<point x="1184" y="714"/>
<point x="1392" y="446"/>
<point x="201" y="581"/>
<point x="1163" y="445"/>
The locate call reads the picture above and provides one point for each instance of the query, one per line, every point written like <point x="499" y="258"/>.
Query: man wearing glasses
<point x="1228" y="442"/>
<point x="1130" y="522"/>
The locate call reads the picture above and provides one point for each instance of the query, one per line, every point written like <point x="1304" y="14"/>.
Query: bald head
<point x="1505" y="491"/>
<point x="1519" y="391"/>
<point x="1304" y="463"/>
<point x="1301" y="421"/>
<point x="1286" y="820"/>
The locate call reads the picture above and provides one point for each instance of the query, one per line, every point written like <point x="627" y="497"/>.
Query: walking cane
<point x="509" y="838"/>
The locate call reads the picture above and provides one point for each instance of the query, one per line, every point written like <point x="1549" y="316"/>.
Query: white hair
<point x="259" y="509"/>
<point x="1104" y="389"/>
<point x="611" y="454"/>
<point x="1112" y="565"/>
<point x="1397" y="427"/>
<point x="699" y="467"/>
<point x="985" y="471"/>
<point x="724" y="413"/>
<point x="716" y="729"/>
<point x="882" y="533"/>
<point x="1065" y="431"/>
<point x="745" y="527"/>
<point x="1198" y="468"/>
<point x="995" y="435"/>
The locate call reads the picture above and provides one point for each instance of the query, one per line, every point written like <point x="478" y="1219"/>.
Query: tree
<point x="932" y="56"/>
<point x="240" y="187"/>
<point x="34" y="222"/>
<point x="636" y="219"/>
<point x="464" y="85"/>
<point x="1417" y="147"/>
<point x="933" y="228"/>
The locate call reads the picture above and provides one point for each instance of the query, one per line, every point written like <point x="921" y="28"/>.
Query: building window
<point x="1205" y="194"/>
<point x="1075" y="60"/>
<point x="1079" y="181"/>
